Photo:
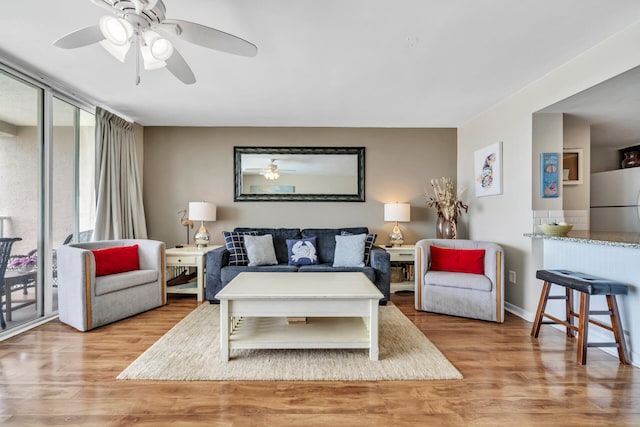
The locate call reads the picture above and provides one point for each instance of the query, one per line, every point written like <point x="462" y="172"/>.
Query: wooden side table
<point x="403" y="257"/>
<point x="188" y="257"/>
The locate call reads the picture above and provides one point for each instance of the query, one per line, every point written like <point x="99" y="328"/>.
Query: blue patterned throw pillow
<point x="368" y="244"/>
<point x="302" y="251"/>
<point x="234" y="242"/>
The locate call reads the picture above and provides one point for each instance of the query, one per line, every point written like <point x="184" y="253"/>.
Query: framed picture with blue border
<point x="549" y="175"/>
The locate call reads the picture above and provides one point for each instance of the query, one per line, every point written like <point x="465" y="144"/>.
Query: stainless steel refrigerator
<point x="615" y="200"/>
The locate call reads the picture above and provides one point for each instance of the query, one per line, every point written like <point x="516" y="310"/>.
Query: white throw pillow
<point x="349" y="251"/>
<point x="260" y="250"/>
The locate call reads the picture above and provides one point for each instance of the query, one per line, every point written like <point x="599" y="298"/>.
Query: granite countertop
<point x="606" y="238"/>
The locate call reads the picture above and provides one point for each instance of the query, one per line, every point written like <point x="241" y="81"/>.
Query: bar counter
<point x="612" y="255"/>
<point x="606" y="238"/>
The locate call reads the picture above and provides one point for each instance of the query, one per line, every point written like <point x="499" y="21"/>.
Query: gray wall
<point x="183" y="164"/>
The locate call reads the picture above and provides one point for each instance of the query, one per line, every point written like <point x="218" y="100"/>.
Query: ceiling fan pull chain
<point x="136" y="47"/>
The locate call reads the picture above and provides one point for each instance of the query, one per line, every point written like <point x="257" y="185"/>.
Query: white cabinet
<point x="402" y="267"/>
<point x="184" y="259"/>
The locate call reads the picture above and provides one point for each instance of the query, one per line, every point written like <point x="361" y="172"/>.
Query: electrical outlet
<point x="512" y="276"/>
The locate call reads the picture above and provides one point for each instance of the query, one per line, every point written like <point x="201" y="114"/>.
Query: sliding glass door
<point x="46" y="191"/>
<point x="20" y="191"/>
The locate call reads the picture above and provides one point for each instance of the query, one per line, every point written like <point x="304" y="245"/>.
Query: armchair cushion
<point x="119" y="259"/>
<point x="476" y="282"/>
<point x="457" y="260"/>
<point x="119" y="281"/>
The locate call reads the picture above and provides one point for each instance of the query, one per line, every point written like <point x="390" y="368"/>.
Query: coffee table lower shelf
<point x="318" y="332"/>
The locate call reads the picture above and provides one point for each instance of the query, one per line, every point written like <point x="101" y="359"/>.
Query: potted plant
<point x="24" y="263"/>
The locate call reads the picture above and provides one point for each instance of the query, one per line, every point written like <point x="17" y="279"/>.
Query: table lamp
<point x="202" y="211"/>
<point x="397" y="212"/>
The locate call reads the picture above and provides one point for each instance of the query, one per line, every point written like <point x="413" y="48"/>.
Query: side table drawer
<point x="401" y="255"/>
<point x="181" y="260"/>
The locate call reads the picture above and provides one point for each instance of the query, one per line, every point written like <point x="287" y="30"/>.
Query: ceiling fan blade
<point x="79" y="38"/>
<point x="208" y="37"/>
<point x="179" y="68"/>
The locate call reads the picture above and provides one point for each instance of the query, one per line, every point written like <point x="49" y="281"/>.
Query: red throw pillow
<point x="457" y="260"/>
<point x="116" y="260"/>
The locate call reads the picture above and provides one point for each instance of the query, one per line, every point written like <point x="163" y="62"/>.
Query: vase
<point x="631" y="159"/>
<point x="24" y="269"/>
<point x="445" y="228"/>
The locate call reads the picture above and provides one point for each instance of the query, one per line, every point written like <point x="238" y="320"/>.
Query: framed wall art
<point x="488" y="170"/>
<point x="549" y="175"/>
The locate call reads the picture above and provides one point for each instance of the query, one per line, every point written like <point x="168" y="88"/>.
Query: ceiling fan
<point x="271" y="171"/>
<point x="135" y="24"/>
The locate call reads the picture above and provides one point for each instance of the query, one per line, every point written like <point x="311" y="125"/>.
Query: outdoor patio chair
<point x="5" y="254"/>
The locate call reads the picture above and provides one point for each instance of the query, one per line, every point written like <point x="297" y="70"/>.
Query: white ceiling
<point x="393" y="63"/>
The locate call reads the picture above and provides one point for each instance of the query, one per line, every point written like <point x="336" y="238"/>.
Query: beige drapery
<point x="119" y="206"/>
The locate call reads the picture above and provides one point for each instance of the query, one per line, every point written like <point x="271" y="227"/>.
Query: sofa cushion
<point x="370" y="272"/>
<point x="260" y="250"/>
<point x="326" y="243"/>
<point x="475" y="282"/>
<point x="280" y="236"/>
<point x="368" y="244"/>
<point x="457" y="260"/>
<point x="234" y="242"/>
<point x="118" y="259"/>
<point x="119" y="281"/>
<point x="228" y="273"/>
<point x="302" y="251"/>
<point x="349" y="250"/>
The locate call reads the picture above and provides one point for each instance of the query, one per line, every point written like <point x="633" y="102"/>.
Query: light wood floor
<point x="54" y="375"/>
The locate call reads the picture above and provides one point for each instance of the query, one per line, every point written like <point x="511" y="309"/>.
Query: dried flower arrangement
<point x="448" y="206"/>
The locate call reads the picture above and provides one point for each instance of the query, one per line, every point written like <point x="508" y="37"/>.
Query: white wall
<point x="506" y="217"/>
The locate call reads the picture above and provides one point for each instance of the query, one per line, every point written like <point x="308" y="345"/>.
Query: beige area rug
<point x="190" y="351"/>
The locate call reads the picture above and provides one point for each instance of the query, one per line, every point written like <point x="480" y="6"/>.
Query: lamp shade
<point x="202" y="211"/>
<point x="397" y="212"/>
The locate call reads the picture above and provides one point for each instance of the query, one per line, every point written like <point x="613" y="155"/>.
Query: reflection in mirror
<point x="299" y="173"/>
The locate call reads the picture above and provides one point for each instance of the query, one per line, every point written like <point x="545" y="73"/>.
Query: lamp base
<point x="396" y="238"/>
<point x="201" y="238"/>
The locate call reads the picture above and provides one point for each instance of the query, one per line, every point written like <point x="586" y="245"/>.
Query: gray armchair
<point x="86" y="301"/>
<point x="477" y="296"/>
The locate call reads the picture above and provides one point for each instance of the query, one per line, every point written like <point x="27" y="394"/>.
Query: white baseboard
<point x="523" y="314"/>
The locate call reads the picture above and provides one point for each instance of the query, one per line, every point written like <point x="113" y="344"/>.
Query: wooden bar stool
<point x="587" y="285"/>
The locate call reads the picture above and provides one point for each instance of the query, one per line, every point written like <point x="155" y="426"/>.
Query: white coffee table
<point x="342" y="312"/>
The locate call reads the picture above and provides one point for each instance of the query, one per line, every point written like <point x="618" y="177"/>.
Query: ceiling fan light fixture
<point x="155" y="50"/>
<point x="116" y="30"/>
<point x="272" y="175"/>
<point x="161" y="49"/>
<point x="149" y="61"/>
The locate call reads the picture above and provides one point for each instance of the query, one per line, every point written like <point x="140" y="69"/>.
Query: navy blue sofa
<point x="220" y="273"/>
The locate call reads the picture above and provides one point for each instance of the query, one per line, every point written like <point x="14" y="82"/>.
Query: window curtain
<point x="119" y="207"/>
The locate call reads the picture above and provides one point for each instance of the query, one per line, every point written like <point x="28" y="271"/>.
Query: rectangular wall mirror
<point x="323" y="174"/>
